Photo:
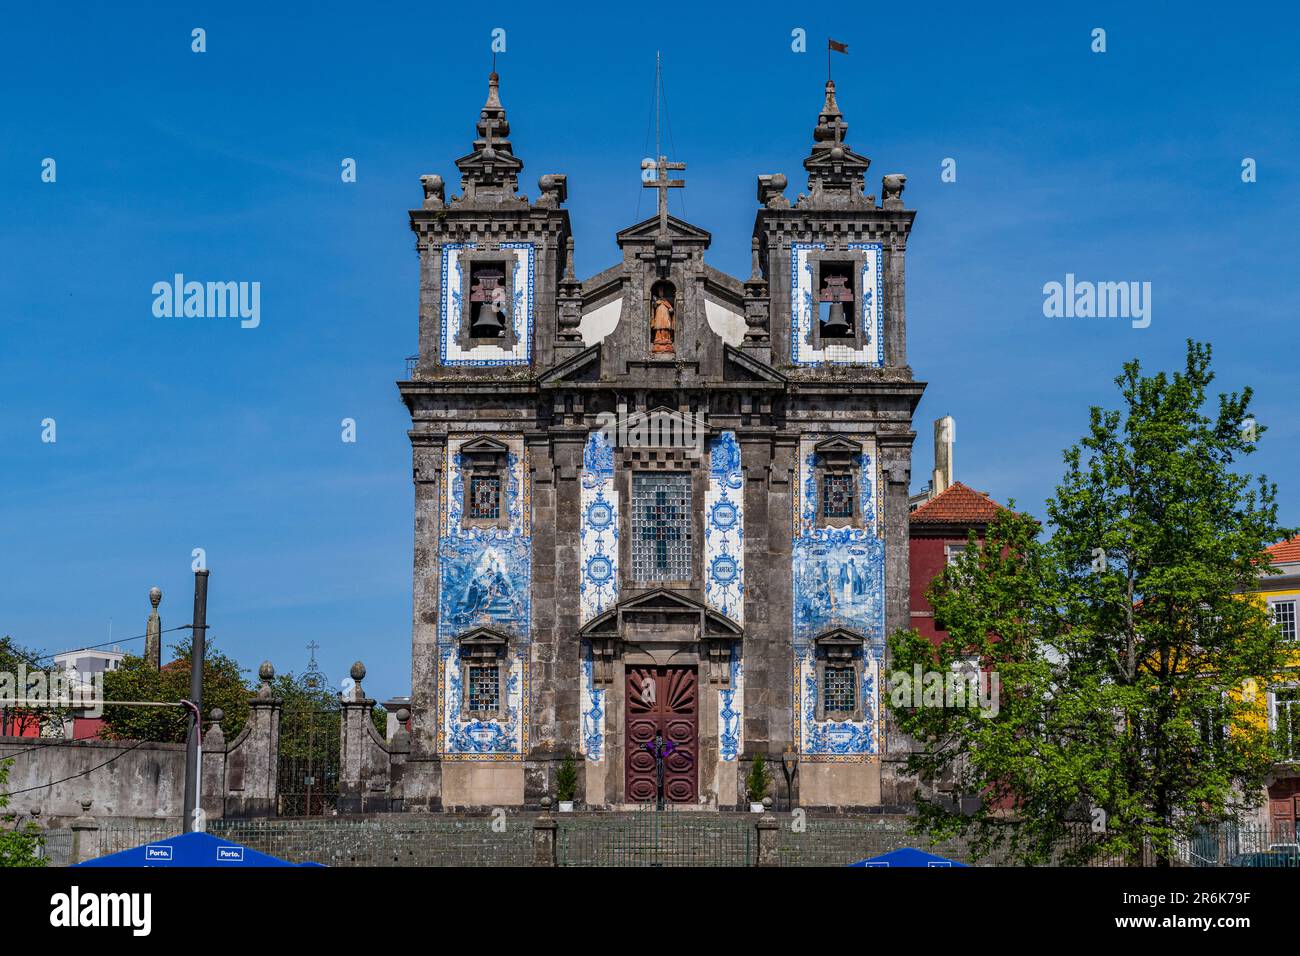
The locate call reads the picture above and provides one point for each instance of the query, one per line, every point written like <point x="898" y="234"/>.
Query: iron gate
<point x="308" y="784"/>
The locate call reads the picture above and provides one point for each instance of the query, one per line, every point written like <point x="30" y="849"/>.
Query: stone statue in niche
<point x="663" y="325"/>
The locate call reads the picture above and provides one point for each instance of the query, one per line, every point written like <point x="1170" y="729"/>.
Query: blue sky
<point x="175" y="434"/>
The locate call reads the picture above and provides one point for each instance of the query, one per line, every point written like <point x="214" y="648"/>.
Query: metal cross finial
<point x="662" y="183"/>
<point x="313" y="647"/>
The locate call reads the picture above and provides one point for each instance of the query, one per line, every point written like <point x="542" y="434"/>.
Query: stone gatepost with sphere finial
<point x="252" y="760"/>
<point x="364" y="758"/>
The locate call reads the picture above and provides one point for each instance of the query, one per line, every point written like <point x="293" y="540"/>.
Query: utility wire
<point x="645" y="146"/>
<point x="55" y="783"/>
<point x="120" y="640"/>
<point x="19" y="753"/>
<point x="663" y="93"/>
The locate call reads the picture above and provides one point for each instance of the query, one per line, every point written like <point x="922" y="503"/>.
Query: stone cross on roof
<point x="662" y="183"/>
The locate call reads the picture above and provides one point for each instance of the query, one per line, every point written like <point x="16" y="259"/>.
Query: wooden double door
<point x="662" y="701"/>
<point x="1284" y="808"/>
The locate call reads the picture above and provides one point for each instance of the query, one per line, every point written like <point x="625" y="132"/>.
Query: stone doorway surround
<point x="662" y="628"/>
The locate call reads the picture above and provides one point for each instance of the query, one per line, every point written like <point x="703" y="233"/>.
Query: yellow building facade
<point x="1280" y="593"/>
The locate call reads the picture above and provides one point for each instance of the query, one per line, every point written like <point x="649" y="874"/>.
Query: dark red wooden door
<point x="662" y="700"/>
<point x="1284" y="798"/>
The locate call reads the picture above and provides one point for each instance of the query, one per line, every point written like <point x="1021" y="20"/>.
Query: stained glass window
<point x="661" y="527"/>
<point x="837" y="496"/>
<point x="485" y="497"/>
<point x="484" y="688"/>
<point x="840" y="693"/>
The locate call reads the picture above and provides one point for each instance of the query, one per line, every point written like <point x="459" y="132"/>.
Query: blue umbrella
<point x="907" y="857"/>
<point x="190" y="849"/>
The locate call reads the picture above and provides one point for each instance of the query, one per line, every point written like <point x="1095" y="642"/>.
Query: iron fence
<point x="56" y="847"/>
<point x="666" y="838"/>
<point x="461" y="840"/>
<point x="1243" y="846"/>
<point x="649" y="837"/>
<point x="839" y="841"/>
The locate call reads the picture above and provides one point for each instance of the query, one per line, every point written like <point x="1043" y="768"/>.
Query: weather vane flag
<point x="833" y="46"/>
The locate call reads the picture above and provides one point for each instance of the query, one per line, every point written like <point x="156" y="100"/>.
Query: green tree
<point x="19" y="843"/>
<point x="566" y="779"/>
<point x="1120" y="641"/>
<point x="759" y="779"/>
<point x="134" y="679"/>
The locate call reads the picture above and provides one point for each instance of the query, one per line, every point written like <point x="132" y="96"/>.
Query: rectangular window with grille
<point x="1284" y="618"/>
<point x="485" y="497"/>
<point x="837" y="496"/>
<point x="661" y="527"/>
<point x="484" y="689"/>
<point x="839" y="690"/>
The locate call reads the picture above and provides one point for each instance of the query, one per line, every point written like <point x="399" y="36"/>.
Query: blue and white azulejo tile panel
<point x="598" y="529"/>
<point x="868" y="347"/>
<point x="724" y="529"/>
<point x="504" y="738"/>
<point x="731" y="725"/>
<point x="485" y="580"/>
<point x="839" y="582"/>
<point x="837" y="740"/>
<point x="592" y="704"/>
<point x="454" y="289"/>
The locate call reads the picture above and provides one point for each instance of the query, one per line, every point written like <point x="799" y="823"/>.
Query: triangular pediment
<point x="840" y="636"/>
<point x="838" y="445"/>
<point x="825" y="160"/>
<point x="479" y="161"/>
<point x="483" y="637"/>
<point x="484" y="446"/>
<point x="646" y="230"/>
<point x="664" y="605"/>
<point x="662" y="599"/>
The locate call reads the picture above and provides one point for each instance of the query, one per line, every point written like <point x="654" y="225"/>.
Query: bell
<point x="836" y="323"/>
<point x="488" y="323"/>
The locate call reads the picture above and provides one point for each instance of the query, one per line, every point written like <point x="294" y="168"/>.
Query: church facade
<point x="661" y="512"/>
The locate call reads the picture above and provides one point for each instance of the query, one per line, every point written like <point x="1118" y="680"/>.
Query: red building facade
<point x="940" y="529"/>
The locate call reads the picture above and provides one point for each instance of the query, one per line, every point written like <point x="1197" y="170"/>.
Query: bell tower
<point x="491" y="261"/>
<point x="492" y="266"/>
<point x="833" y="259"/>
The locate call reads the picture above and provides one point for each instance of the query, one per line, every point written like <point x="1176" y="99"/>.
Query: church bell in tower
<point x="836" y="324"/>
<point x="487" y="305"/>
<point x="836" y="303"/>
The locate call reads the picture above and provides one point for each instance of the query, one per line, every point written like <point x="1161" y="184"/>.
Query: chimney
<point x="945" y="433"/>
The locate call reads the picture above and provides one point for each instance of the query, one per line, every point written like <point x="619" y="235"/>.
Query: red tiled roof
<point x="957" y="505"/>
<point x="1285" y="552"/>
